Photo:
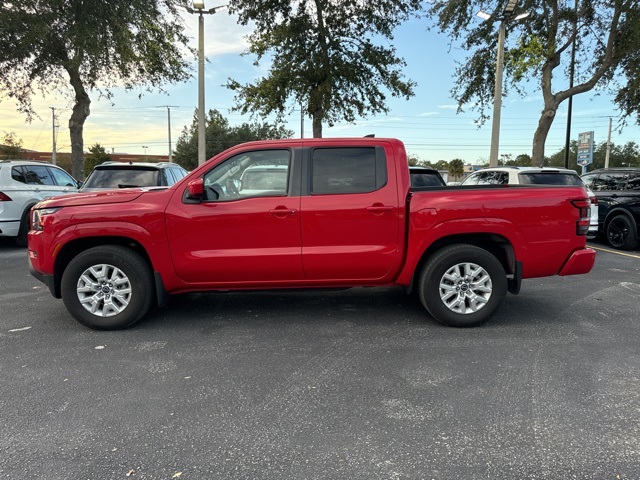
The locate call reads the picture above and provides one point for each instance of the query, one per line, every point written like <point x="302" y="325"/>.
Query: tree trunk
<point x="540" y="136"/>
<point x="76" y="124"/>
<point x="317" y="125"/>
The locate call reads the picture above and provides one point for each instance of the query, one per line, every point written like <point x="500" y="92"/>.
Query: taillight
<point x="593" y="200"/>
<point x="4" y="197"/>
<point x="582" y="225"/>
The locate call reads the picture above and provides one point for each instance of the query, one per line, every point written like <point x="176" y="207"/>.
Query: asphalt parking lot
<point x="355" y="384"/>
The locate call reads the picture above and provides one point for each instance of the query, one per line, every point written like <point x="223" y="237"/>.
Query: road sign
<point x="585" y="148"/>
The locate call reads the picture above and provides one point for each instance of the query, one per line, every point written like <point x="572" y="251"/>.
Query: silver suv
<point x="23" y="183"/>
<point x="535" y="176"/>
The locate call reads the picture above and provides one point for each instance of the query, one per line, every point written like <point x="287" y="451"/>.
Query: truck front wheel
<point x="107" y="287"/>
<point x="462" y="285"/>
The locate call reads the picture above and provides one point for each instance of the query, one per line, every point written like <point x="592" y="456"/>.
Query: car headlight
<point x="37" y="217"/>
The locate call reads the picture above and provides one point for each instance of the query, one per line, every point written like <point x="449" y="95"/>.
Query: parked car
<point x="535" y="176"/>
<point x="425" y="177"/>
<point x="110" y="175"/>
<point x="23" y="183"/>
<point x="618" y="194"/>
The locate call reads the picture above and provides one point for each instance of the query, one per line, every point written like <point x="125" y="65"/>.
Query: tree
<point x="10" y="146"/>
<point x="413" y="160"/>
<point x="220" y="136"/>
<point x="607" y="46"/>
<point x="324" y="57"/>
<point x="456" y="169"/>
<point x="88" y="45"/>
<point x="97" y="155"/>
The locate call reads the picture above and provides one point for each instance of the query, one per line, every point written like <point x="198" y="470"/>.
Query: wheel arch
<point x="614" y="212"/>
<point x="74" y="247"/>
<point x="499" y="246"/>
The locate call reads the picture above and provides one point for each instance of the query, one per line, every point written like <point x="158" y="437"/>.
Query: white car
<point x="23" y="183"/>
<point x="534" y="176"/>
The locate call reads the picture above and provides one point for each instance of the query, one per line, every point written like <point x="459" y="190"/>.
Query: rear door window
<point x="610" y="182"/>
<point x="347" y="170"/>
<point x="38" y="175"/>
<point x="493" y="178"/>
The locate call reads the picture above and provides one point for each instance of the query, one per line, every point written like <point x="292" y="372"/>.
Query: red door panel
<point x="251" y="240"/>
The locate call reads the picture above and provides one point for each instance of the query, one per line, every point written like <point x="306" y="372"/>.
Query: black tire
<point x="472" y="303"/>
<point x="621" y="233"/>
<point x="21" y="239"/>
<point x="114" y="281"/>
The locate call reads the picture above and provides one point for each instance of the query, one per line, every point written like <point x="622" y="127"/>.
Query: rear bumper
<point x="580" y="261"/>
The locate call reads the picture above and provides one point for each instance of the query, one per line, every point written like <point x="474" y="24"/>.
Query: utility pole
<point x="606" y="157"/>
<point x="54" y="158"/>
<point x="168" y="107"/>
<point x="301" y="120"/>
<point x="572" y="69"/>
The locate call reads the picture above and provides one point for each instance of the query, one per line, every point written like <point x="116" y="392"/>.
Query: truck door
<point x="351" y="214"/>
<point x="240" y="233"/>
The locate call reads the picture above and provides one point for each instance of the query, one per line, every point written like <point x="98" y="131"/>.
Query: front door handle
<point x="282" y="212"/>
<point x="379" y="208"/>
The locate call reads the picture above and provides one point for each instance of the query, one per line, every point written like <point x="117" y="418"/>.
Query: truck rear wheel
<point x="462" y="285"/>
<point x="107" y="287"/>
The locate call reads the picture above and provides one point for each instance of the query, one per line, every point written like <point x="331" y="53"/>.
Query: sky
<point x="427" y="123"/>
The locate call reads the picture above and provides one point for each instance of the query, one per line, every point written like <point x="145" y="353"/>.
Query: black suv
<point x="110" y="175"/>
<point x="618" y="194"/>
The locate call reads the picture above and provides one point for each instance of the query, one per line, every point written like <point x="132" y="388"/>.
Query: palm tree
<point x="456" y="169"/>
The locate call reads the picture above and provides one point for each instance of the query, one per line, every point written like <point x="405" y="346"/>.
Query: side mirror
<point x="196" y="189"/>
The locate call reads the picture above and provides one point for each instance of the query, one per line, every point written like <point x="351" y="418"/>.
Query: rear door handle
<point x="379" y="208"/>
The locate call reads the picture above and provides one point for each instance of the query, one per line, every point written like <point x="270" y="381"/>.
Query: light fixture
<point x="198" y="7"/>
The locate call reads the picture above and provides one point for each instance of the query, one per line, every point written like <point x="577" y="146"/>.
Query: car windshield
<point x="550" y="178"/>
<point x="122" y="178"/>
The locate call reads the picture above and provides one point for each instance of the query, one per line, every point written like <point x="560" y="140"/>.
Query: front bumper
<point x="48" y="280"/>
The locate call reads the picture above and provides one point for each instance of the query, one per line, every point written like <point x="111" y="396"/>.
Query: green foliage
<point x="49" y="45"/>
<point x="97" y="154"/>
<point x="456" y="169"/>
<point x="220" y="136"/>
<point x="324" y="57"/>
<point x="413" y="160"/>
<point x="10" y="146"/>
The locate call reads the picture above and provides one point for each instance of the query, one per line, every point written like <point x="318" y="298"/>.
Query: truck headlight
<point x="37" y="217"/>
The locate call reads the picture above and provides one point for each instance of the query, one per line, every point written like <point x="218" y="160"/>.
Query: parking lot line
<point x="617" y="252"/>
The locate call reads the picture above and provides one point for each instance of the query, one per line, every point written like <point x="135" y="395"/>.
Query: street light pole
<point x="201" y="126"/>
<point x="198" y="7"/>
<point x="497" y="98"/>
<point x="506" y="17"/>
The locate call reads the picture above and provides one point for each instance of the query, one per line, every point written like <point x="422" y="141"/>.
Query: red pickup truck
<point x="311" y="213"/>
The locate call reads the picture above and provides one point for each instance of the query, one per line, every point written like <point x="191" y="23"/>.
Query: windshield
<point x="122" y="178"/>
<point x="550" y="178"/>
